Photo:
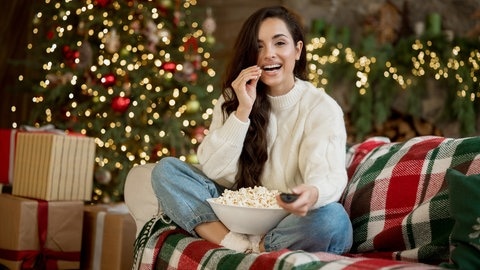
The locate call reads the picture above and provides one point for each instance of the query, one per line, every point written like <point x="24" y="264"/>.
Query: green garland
<point x="378" y="74"/>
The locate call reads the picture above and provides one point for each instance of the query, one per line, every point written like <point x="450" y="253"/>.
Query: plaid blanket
<point x="161" y="245"/>
<point x="398" y="200"/>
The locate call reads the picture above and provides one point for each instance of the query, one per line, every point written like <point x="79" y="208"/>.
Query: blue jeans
<point x="182" y="190"/>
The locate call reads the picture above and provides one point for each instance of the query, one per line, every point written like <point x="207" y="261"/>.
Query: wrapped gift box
<point x="108" y="237"/>
<point x="36" y="234"/>
<point x="7" y="153"/>
<point x="52" y="167"/>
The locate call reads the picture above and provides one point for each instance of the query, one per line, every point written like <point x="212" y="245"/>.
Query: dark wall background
<point x="15" y="17"/>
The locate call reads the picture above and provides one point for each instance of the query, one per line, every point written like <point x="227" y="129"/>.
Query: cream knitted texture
<point x="236" y="241"/>
<point x="255" y="242"/>
<point x="306" y="144"/>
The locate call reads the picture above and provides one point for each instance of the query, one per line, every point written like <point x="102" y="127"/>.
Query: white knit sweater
<point x="306" y="144"/>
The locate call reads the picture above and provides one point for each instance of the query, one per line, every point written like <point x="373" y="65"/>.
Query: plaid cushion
<point x="356" y="153"/>
<point x="165" y="246"/>
<point x="397" y="197"/>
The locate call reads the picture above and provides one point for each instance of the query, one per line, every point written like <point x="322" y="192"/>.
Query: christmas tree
<point x="136" y="75"/>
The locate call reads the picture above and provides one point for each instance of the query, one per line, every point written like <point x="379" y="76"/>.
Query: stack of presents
<point x="46" y="220"/>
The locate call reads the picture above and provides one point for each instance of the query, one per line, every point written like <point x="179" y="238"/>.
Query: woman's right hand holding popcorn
<point x="245" y="87"/>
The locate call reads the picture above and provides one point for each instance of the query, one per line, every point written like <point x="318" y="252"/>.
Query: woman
<point x="270" y="128"/>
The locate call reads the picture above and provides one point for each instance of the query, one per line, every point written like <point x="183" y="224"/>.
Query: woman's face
<point x="277" y="53"/>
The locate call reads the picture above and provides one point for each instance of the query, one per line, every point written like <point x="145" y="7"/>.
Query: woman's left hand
<point x="308" y="196"/>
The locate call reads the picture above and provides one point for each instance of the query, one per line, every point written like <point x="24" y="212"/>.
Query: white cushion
<point x="139" y="195"/>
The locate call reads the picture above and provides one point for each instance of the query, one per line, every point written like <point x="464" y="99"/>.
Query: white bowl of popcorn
<point x="248" y="210"/>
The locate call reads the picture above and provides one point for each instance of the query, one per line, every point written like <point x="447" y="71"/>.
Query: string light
<point x="107" y="66"/>
<point x="456" y="64"/>
<point x="424" y="61"/>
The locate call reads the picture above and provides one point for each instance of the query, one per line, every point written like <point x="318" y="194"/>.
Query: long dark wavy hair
<point x="254" y="153"/>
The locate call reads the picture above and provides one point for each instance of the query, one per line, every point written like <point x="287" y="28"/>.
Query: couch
<point x="413" y="205"/>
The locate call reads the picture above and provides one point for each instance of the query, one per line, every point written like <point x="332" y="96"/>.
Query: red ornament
<point x="70" y="56"/>
<point x="156" y="152"/>
<point x="66" y="49"/>
<point x="199" y="133"/>
<point x="108" y="80"/>
<point x="50" y="35"/>
<point x="191" y="45"/>
<point x="193" y="77"/>
<point x="163" y="10"/>
<point x="102" y="3"/>
<point x="120" y="104"/>
<point x="169" y="66"/>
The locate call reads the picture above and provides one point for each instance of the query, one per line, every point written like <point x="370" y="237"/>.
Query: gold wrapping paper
<point x="108" y="237"/>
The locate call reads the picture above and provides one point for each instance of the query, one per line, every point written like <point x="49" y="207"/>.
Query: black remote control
<point x="288" y="197"/>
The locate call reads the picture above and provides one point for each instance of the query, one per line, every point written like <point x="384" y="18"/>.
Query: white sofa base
<point x="139" y="195"/>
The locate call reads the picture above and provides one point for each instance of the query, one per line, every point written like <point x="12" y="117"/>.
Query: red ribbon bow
<point x="43" y="258"/>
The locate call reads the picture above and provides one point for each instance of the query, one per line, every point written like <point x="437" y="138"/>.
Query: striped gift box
<point x="53" y="167"/>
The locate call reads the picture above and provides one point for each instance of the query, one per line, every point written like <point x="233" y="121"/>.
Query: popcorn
<point x="258" y="197"/>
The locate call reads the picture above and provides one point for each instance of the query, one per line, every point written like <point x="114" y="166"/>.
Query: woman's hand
<point x="245" y="87"/>
<point x="308" y="197"/>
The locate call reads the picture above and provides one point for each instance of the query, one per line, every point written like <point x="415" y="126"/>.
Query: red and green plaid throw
<point x="397" y="197"/>
<point x="165" y="246"/>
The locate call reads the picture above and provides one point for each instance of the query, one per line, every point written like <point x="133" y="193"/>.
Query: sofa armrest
<point x="139" y="195"/>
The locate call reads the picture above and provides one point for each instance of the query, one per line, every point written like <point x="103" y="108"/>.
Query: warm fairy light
<point x="424" y="61"/>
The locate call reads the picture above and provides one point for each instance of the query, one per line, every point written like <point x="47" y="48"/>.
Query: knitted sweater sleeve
<point x="322" y="152"/>
<point x="220" y="150"/>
